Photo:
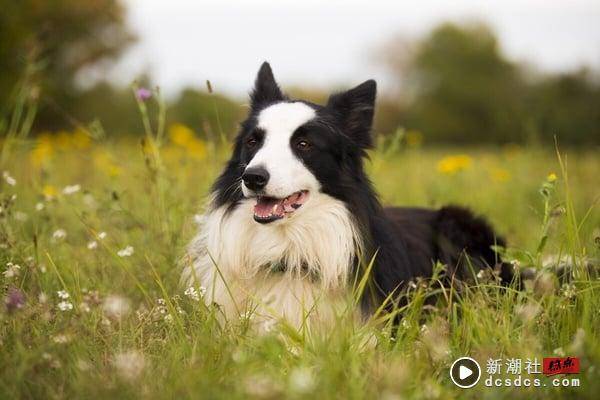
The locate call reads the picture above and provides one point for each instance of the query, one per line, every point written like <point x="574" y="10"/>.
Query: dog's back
<point x="451" y="235"/>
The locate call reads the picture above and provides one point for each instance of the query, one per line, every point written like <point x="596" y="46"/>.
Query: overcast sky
<point x="330" y="43"/>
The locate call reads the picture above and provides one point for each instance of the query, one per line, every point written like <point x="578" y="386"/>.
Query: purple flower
<point x="143" y="94"/>
<point x="15" y="299"/>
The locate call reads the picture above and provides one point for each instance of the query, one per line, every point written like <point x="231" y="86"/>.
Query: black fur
<point x="407" y="241"/>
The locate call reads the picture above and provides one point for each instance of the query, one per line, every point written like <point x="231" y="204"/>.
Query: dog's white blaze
<point x="287" y="173"/>
<point x="231" y="256"/>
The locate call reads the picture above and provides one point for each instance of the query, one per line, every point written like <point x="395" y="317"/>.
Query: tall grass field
<point x="93" y="230"/>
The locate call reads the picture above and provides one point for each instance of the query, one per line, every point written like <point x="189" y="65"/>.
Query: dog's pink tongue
<point x="266" y="207"/>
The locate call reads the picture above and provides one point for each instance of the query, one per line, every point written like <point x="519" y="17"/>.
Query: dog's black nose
<point x="255" y="178"/>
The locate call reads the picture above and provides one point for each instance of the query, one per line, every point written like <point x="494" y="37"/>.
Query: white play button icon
<point x="465" y="372"/>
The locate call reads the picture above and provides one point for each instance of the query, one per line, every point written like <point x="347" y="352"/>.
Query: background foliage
<point x="454" y="85"/>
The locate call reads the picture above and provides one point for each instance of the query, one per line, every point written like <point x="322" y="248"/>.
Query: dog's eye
<point x="251" y="142"/>
<point x="303" y="145"/>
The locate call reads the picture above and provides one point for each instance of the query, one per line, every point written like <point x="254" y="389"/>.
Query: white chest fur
<point x="296" y="269"/>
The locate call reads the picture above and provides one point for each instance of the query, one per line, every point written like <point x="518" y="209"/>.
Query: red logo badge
<point x="561" y="365"/>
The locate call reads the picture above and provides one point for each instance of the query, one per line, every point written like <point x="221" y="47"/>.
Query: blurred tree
<point x="209" y="114"/>
<point x="63" y="37"/>
<point x="464" y="90"/>
<point x="568" y="106"/>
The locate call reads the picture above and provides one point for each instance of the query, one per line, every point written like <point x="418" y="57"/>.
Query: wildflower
<point x="59" y="234"/>
<point x="168" y="318"/>
<point x="180" y="134"/>
<point x="49" y="192"/>
<point x="126" y="252"/>
<point x="194" y="294"/>
<point x="302" y="380"/>
<point x="116" y="307"/>
<point x="568" y="290"/>
<point x="143" y="94"/>
<point x="129" y="365"/>
<point x="9" y="179"/>
<point x="12" y="270"/>
<point x="92" y="245"/>
<point x="551" y="177"/>
<point x="71" y="189"/>
<point x="63" y="294"/>
<point x="198" y="219"/>
<point x="101" y="235"/>
<point x="39" y="206"/>
<point x="15" y="299"/>
<point x="65" y="306"/>
<point x="452" y="164"/>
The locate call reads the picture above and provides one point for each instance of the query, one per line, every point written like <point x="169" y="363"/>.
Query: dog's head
<point x="289" y="150"/>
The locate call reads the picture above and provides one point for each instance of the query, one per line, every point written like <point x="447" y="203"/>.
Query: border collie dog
<point x="293" y="217"/>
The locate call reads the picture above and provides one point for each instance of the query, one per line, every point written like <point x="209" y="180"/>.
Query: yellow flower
<point x="551" y="177"/>
<point x="80" y="139"/>
<point x="499" y="175"/>
<point x="451" y="164"/>
<point x="49" y="191"/>
<point x="104" y="162"/>
<point x="180" y="134"/>
<point x="42" y="151"/>
<point x="62" y="140"/>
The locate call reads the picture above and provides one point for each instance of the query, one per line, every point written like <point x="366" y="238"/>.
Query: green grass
<point x="120" y="341"/>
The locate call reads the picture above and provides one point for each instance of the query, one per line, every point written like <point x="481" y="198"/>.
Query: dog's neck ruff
<point x="314" y="250"/>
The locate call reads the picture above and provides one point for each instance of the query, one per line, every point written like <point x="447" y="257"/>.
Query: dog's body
<point x="293" y="215"/>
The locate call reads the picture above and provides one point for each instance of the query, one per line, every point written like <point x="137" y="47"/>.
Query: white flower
<point x="11" y="271"/>
<point x="39" y="206"/>
<point x="126" y="252"/>
<point x="101" y="235"/>
<point x="63" y="294"/>
<point x="92" y="245"/>
<point x="198" y="219"/>
<point x="194" y="294"/>
<point x="130" y="364"/>
<point x="9" y="179"/>
<point x="71" y="189"/>
<point x="59" y="234"/>
<point x="65" y="306"/>
<point x="116" y="306"/>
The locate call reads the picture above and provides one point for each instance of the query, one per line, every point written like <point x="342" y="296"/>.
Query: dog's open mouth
<point x="269" y="209"/>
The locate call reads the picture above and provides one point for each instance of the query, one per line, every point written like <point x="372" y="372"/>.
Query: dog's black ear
<point x="355" y="109"/>
<point x="265" y="89"/>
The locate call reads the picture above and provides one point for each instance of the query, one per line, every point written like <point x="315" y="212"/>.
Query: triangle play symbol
<point x="464" y="372"/>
